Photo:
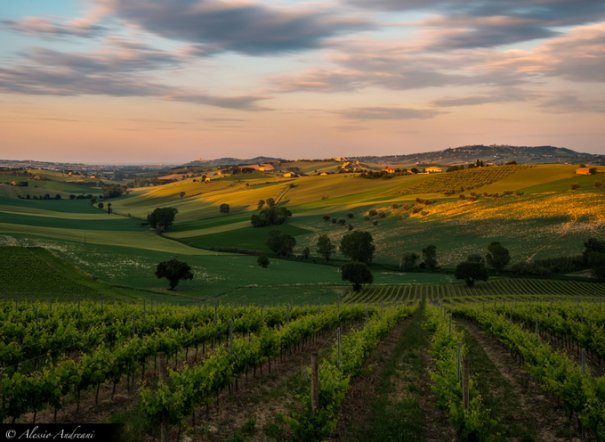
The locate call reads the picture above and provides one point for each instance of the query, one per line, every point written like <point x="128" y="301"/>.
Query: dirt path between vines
<point x="548" y="416"/>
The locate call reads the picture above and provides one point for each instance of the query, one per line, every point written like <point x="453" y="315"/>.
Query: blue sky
<point x="174" y="80"/>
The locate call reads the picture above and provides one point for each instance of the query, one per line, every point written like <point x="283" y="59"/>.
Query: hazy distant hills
<point x="457" y="155"/>
<point x="229" y="161"/>
<point x="492" y="154"/>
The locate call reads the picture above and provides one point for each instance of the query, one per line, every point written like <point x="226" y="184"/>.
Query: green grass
<point x="397" y="415"/>
<point x="35" y="273"/>
<point x="247" y="238"/>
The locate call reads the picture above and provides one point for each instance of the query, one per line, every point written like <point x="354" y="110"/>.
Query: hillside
<point x="492" y="154"/>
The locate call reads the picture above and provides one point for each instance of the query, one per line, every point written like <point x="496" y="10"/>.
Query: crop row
<point x="26" y="333"/>
<point x="578" y="390"/>
<point x="335" y="373"/>
<point x="32" y="392"/>
<point x="494" y="287"/>
<point x="195" y="386"/>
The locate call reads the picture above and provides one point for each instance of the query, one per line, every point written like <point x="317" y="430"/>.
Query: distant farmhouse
<point x="389" y="170"/>
<point x="265" y="167"/>
<point x="433" y="169"/>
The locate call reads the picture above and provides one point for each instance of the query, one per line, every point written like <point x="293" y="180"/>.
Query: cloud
<point x="48" y="27"/>
<point x="489" y="23"/>
<point x="119" y="70"/>
<point x="568" y="103"/>
<point x="577" y="56"/>
<point x="502" y="95"/>
<point x="244" y="27"/>
<point x="389" y="113"/>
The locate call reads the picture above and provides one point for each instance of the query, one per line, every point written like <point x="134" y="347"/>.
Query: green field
<point x="531" y="210"/>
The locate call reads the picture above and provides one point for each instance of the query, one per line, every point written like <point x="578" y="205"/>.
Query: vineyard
<point x="464" y="180"/>
<point x="212" y="372"/>
<point x="493" y="289"/>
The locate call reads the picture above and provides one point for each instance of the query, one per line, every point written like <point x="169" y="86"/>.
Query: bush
<point x="263" y="261"/>
<point x="224" y="208"/>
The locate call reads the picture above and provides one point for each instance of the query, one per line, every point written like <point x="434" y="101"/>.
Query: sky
<point x="170" y="81"/>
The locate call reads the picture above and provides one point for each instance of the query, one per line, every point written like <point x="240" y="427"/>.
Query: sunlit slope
<point x="196" y="200"/>
<point x="89" y="226"/>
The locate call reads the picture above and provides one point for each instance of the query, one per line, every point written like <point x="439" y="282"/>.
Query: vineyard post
<point x="338" y="347"/>
<point x="314" y="382"/>
<point x="230" y="337"/>
<point x="465" y="384"/>
<point x="458" y="371"/>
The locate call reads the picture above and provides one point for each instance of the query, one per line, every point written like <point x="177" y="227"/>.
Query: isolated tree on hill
<point x="281" y="244"/>
<point x="325" y="247"/>
<point x="408" y="261"/>
<point x="263" y="261"/>
<point x="591" y="246"/>
<point x="101" y="205"/>
<point x="260" y="204"/>
<point x="108" y="207"/>
<point x="306" y="253"/>
<point x="429" y="256"/>
<point x="224" y="208"/>
<point x="594" y="257"/>
<point x="162" y="218"/>
<point x="270" y="202"/>
<point x="358" y="246"/>
<point x="471" y="270"/>
<point x="358" y="273"/>
<point x="182" y="195"/>
<point x="173" y="270"/>
<point x="498" y="256"/>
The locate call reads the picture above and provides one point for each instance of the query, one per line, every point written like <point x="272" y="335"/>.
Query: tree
<point x="162" y="218"/>
<point x="108" y="208"/>
<point x="173" y="270"/>
<point x="408" y="261"/>
<point x="591" y="246"/>
<point x="263" y="261"/>
<point x="270" y="202"/>
<point x="325" y="247"/>
<point x="224" y="208"/>
<point x="270" y="216"/>
<point x="358" y="273"/>
<point x="281" y="244"/>
<point x="306" y="253"/>
<point x="498" y="256"/>
<point x="471" y="271"/>
<point x="429" y="255"/>
<point x="260" y="205"/>
<point x="101" y="205"/>
<point x="594" y="257"/>
<point x="182" y="195"/>
<point x="358" y="246"/>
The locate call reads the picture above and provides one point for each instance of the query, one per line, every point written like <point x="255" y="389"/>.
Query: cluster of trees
<point x="270" y="214"/>
<point x="475" y="269"/>
<point x="429" y="259"/>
